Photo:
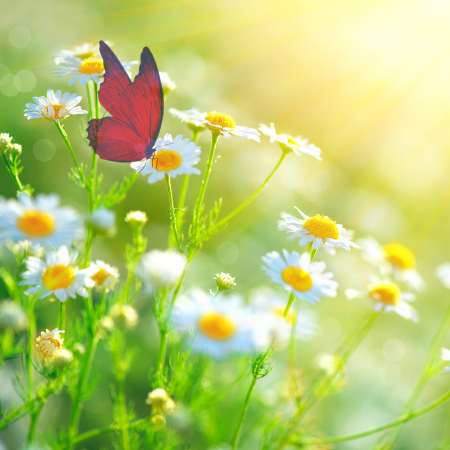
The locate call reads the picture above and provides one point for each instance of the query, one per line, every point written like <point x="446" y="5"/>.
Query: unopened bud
<point x="224" y="281"/>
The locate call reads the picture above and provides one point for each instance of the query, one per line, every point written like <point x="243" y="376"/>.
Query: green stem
<point x="200" y="201"/>
<point x="263" y="358"/>
<point x="427" y="373"/>
<point x="43" y="393"/>
<point x="237" y="432"/>
<point x="320" y="387"/>
<point x="108" y="429"/>
<point x="62" y="316"/>
<point x="63" y="133"/>
<point x="173" y="217"/>
<point x="289" y="304"/>
<point x="159" y="375"/>
<point x="184" y="191"/>
<point x="80" y="389"/>
<point x="395" y="423"/>
<point x="252" y="197"/>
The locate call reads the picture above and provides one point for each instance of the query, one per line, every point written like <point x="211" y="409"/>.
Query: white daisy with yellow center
<point x="172" y="157"/>
<point x="103" y="275"/>
<point x="388" y="297"/>
<point x="39" y="220"/>
<point x="56" y="274"/>
<point x="48" y="344"/>
<point x="271" y="305"/>
<point x="82" y="70"/>
<point x="317" y="231"/>
<point x="82" y="51"/>
<point x="56" y="105"/>
<point x="218" y="325"/>
<point x="297" y="274"/>
<point x="218" y="123"/>
<point x="296" y="144"/>
<point x="393" y="259"/>
<point x="161" y="268"/>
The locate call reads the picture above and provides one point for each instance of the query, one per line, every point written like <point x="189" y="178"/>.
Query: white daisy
<point x="84" y="70"/>
<point x="103" y="220"/>
<point x="443" y="273"/>
<point x="54" y="106"/>
<point x="218" y="325"/>
<point x="393" y="259"/>
<point x="171" y="157"/>
<point x="388" y="297"/>
<point x="193" y="118"/>
<point x="137" y="218"/>
<point x="103" y="275"/>
<point x="168" y="85"/>
<point x="217" y="122"/>
<point x="83" y="51"/>
<point x="40" y="220"/>
<point x="298" y="144"/>
<point x="317" y="231"/>
<point x="445" y="356"/>
<point x="297" y="274"/>
<point x="56" y="274"/>
<point x="160" y="268"/>
<point x="272" y="305"/>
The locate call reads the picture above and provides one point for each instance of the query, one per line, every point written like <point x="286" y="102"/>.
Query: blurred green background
<point x="366" y="81"/>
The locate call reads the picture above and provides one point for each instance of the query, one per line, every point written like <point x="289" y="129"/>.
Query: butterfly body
<point x="136" y="109"/>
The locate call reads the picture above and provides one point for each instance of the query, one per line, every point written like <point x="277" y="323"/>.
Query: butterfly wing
<point x="136" y="109"/>
<point x="114" y="140"/>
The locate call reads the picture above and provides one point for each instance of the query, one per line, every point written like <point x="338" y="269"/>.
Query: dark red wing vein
<point x="147" y="97"/>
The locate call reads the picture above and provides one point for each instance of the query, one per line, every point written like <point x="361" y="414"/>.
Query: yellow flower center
<point x="165" y="160"/>
<point x="91" y="66"/>
<point x="290" y="316"/>
<point x="388" y="293"/>
<point x="297" y="278"/>
<point x="36" y="224"/>
<point x="58" y="276"/>
<point x="216" y="326"/>
<point x="322" y="227"/>
<point x="399" y="255"/>
<point x="100" y="276"/>
<point x="85" y="55"/>
<point x="220" y="120"/>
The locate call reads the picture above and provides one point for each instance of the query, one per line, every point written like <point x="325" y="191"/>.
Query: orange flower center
<point x="91" y="66"/>
<point x="36" y="224"/>
<point x="297" y="278"/>
<point x="58" y="276"/>
<point x="387" y="293"/>
<point x="100" y="276"/>
<point x="216" y="326"/>
<point x="220" y="120"/>
<point x="165" y="160"/>
<point x="399" y="256"/>
<point x="322" y="227"/>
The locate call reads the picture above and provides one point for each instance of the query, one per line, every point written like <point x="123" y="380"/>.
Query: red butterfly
<point x="136" y="109"/>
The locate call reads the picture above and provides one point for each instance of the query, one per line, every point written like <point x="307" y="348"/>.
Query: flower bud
<point x="61" y="358"/>
<point x="136" y="218"/>
<point x="158" y="420"/>
<point x="224" y="281"/>
<point x="48" y="343"/>
<point x="160" y="401"/>
<point x="12" y="316"/>
<point x="124" y="316"/>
